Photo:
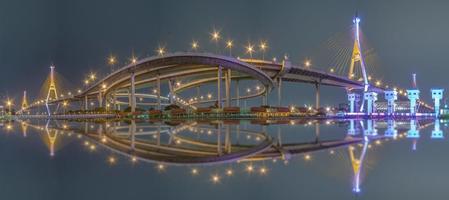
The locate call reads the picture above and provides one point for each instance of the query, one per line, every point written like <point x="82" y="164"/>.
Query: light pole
<point x="215" y="36"/>
<point x="263" y="47"/>
<point x="9" y="104"/>
<point x="229" y="45"/>
<point x="112" y="60"/>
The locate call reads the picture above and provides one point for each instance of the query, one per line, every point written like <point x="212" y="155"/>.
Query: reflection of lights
<point x="307" y="157"/>
<point x="111" y="160"/>
<point x="133" y="159"/>
<point x="161" y="167"/>
<point x="215" y="178"/>
<point x="229" y="172"/>
<point x="92" y="147"/>
<point x="332" y="152"/>
<point x="263" y="170"/>
<point x="250" y="168"/>
<point x="194" y="171"/>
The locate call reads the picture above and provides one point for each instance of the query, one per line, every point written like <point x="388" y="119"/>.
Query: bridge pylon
<point x="51" y="90"/>
<point x="24" y="101"/>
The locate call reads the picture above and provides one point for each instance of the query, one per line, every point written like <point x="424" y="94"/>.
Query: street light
<point x="92" y="76"/>
<point x="9" y="104"/>
<point x="133" y="60"/>
<point x="263" y="47"/>
<point x="112" y="60"/>
<point x="195" y="45"/>
<point x="229" y="45"/>
<point x="160" y="51"/>
<point x="250" y="50"/>
<point x="307" y="63"/>
<point x="215" y="36"/>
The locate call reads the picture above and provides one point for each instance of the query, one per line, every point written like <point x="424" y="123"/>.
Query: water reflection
<point x="231" y="144"/>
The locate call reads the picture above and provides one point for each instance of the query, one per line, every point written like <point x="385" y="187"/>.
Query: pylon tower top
<point x="24" y="100"/>
<point x="357" y="53"/>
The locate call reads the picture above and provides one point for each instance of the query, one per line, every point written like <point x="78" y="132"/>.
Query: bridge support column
<point x="317" y="96"/>
<point x="100" y="99"/>
<point x="219" y="75"/>
<point x="172" y="93"/>
<point x="133" y="92"/>
<point x="437" y="95"/>
<point x="114" y="101"/>
<point x="237" y="93"/>
<point x="228" y="88"/>
<point x="86" y="103"/>
<point x="353" y="99"/>
<point x="371" y="98"/>
<point x="279" y="91"/>
<point x="219" y="150"/>
<point x="391" y="96"/>
<point x="158" y="92"/>
<point x="437" y="133"/>
<point x="413" y="96"/>
<point x="265" y="98"/>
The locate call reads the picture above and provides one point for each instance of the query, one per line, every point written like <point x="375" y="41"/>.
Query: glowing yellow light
<point x="103" y="86"/>
<point x="250" y="49"/>
<point x="209" y="96"/>
<point x="195" y="45"/>
<point x="92" y="147"/>
<point x="194" y="171"/>
<point x="133" y="60"/>
<point x="92" y="76"/>
<point x="263" y="170"/>
<point x="250" y="168"/>
<point x="307" y="157"/>
<point x="307" y="63"/>
<point x="263" y="46"/>
<point x="229" y="172"/>
<point x="111" y="160"/>
<point x="161" y="167"/>
<point x="229" y="44"/>
<point x="86" y="82"/>
<point x="215" y="178"/>
<point x="215" y="35"/>
<point x="332" y="70"/>
<point x="111" y="60"/>
<point x="133" y="159"/>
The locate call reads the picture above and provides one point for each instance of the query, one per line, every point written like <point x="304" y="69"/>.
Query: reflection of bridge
<point x="190" y="143"/>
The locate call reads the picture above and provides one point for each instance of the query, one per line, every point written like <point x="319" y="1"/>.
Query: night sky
<point x="407" y="35"/>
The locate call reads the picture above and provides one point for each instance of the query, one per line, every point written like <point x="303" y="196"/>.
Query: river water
<point x="290" y="159"/>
